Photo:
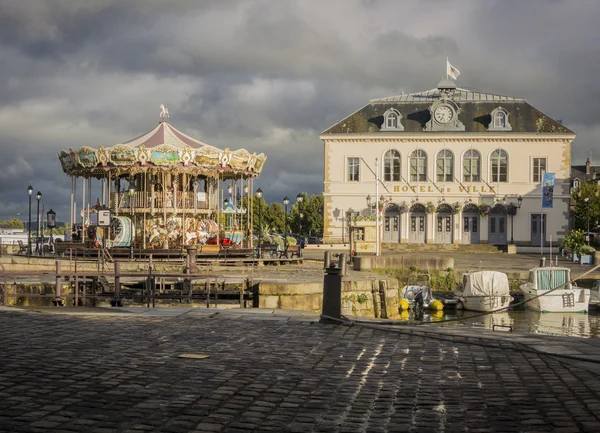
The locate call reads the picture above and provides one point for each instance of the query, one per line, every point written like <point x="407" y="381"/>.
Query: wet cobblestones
<point x="122" y="374"/>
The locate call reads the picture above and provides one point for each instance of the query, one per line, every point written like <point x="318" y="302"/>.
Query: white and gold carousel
<point x="164" y="188"/>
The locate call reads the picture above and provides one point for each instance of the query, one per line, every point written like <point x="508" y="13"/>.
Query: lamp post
<point x="587" y="235"/>
<point x="299" y="199"/>
<point x="286" y="201"/>
<point x="29" y="192"/>
<point x="38" y="197"/>
<point x="259" y="195"/>
<point x="51" y="223"/>
<point x="512" y="208"/>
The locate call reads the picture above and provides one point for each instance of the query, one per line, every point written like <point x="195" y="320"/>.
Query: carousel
<point x="164" y="189"/>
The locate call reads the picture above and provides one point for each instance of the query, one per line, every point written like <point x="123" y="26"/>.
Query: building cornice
<point x="454" y="138"/>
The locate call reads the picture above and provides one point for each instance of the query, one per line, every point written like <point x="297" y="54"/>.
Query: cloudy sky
<point x="268" y="75"/>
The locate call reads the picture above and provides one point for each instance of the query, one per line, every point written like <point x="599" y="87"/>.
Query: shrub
<point x="586" y="250"/>
<point x="574" y="241"/>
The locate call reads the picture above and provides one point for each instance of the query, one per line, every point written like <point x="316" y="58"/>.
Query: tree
<point x="312" y="216"/>
<point x="587" y="206"/>
<point x="275" y="217"/>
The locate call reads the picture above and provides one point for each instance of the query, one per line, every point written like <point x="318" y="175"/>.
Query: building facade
<point x="448" y="165"/>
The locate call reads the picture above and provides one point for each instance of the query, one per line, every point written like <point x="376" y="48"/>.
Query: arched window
<point x="445" y="166"/>
<point x="499" y="166"/>
<point x="500" y="120"/>
<point x="418" y="166"/>
<point x="576" y="183"/>
<point x="472" y="166"/>
<point x="391" y="120"/>
<point x="391" y="166"/>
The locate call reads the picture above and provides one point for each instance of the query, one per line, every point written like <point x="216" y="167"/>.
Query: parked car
<point x="314" y="240"/>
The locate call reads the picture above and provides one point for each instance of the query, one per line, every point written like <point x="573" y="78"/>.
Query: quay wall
<point x="364" y="298"/>
<point x="428" y="262"/>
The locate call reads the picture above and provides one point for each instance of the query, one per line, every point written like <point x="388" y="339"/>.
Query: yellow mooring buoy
<point x="436" y="305"/>
<point x="404" y="304"/>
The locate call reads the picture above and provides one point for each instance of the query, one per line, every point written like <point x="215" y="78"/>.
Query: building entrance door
<point x="497" y="229"/>
<point x="417" y="229"/>
<point x="470" y="234"/>
<point x="497" y="225"/>
<point x="391" y="228"/>
<point x="538" y="229"/>
<point x="443" y="232"/>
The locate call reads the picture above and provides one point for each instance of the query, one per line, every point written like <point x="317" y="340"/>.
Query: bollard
<point x="192" y="253"/>
<point x="116" y="302"/>
<point x="342" y="263"/>
<point x="326" y="259"/>
<point x="57" y="302"/>
<point x="332" y="295"/>
<point x="543" y="262"/>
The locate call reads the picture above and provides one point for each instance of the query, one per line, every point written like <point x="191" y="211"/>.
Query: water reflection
<point x="525" y="321"/>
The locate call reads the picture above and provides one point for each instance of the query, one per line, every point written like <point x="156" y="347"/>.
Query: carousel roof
<point x="164" y="133"/>
<point x="163" y="148"/>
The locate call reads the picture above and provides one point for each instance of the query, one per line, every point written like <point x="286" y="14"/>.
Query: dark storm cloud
<point x="268" y="75"/>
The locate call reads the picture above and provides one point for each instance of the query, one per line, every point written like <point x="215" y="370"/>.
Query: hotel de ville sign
<point x="431" y="187"/>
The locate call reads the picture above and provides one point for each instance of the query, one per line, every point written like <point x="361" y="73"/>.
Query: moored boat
<point x="485" y="291"/>
<point x="551" y="290"/>
<point x="419" y="295"/>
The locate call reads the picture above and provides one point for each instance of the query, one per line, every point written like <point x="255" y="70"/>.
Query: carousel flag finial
<point x="164" y="113"/>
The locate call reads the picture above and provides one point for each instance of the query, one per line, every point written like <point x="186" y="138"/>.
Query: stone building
<point x="453" y="166"/>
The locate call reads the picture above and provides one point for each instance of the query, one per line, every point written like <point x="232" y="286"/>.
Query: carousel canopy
<point x="163" y="148"/>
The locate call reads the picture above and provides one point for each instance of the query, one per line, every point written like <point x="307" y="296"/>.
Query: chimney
<point x="587" y="166"/>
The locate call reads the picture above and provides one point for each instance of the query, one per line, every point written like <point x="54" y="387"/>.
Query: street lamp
<point x="259" y="195"/>
<point x="512" y="211"/>
<point x="299" y="199"/>
<point x="587" y="235"/>
<point x="51" y="223"/>
<point x="38" y="197"/>
<point x="286" y="201"/>
<point x="29" y="192"/>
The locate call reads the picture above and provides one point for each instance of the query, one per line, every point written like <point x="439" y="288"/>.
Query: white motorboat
<point x="550" y="290"/>
<point x="485" y="291"/>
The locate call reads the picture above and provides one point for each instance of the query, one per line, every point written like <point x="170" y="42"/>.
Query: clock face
<point x="443" y="114"/>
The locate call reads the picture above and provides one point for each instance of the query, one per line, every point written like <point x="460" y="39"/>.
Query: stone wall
<point x="428" y="262"/>
<point x="359" y="298"/>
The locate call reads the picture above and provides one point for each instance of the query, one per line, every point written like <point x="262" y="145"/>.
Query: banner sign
<point x="548" y="190"/>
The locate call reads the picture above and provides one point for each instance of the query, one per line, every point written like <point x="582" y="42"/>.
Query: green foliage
<point x="586" y="250"/>
<point x="573" y="241"/>
<point x="362" y="298"/>
<point x="312" y="216"/>
<point x="439" y="281"/>
<point x="291" y="240"/>
<point x="14" y="222"/>
<point x="587" y="205"/>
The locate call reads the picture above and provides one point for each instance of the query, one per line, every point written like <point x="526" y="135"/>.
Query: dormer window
<point x="576" y="183"/>
<point x="499" y="120"/>
<point x="391" y="120"/>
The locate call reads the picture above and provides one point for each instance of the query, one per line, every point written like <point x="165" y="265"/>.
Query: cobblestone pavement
<point x="281" y="373"/>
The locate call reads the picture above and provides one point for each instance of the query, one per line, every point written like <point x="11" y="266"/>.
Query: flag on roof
<point x="451" y="71"/>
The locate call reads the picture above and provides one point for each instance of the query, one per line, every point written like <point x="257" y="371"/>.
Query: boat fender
<point x="436" y="305"/>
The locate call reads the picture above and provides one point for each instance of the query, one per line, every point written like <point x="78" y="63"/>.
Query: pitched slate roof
<point x="476" y="108"/>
